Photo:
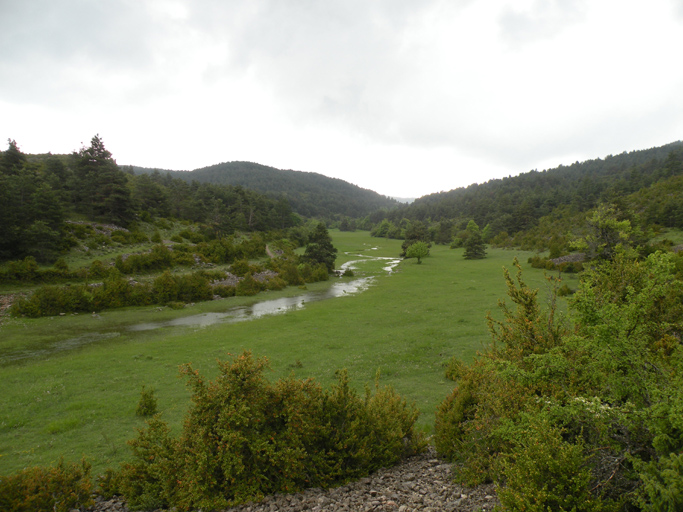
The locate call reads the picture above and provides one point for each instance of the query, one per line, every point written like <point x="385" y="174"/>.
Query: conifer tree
<point x="320" y="248"/>
<point x="475" y="248"/>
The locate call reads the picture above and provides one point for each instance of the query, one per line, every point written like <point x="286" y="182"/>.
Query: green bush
<point x="543" y="472"/>
<point x="247" y="286"/>
<point x="98" y="269"/>
<point x="579" y="416"/>
<point x="147" y="406"/>
<point x="39" y="489"/>
<point x="165" y="288"/>
<point x="289" y="272"/>
<point x="662" y="488"/>
<point x="138" y="237"/>
<point x="193" y="237"/>
<point x="223" y="290"/>
<point x="121" y="237"/>
<point x="242" y="267"/>
<point x="244" y="438"/>
<point x="193" y="287"/>
<point x="275" y="283"/>
<point x="320" y="273"/>
<point x="53" y="300"/>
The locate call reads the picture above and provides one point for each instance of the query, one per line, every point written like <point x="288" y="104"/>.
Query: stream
<point x="277" y="306"/>
<point x="238" y="314"/>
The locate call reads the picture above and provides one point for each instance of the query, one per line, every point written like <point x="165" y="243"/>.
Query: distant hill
<point x="405" y="200"/>
<point x="516" y="204"/>
<point x="309" y="194"/>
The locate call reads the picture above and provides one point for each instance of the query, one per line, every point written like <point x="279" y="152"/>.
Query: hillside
<point x="517" y="203"/>
<point x="310" y="194"/>
<point x="40" y="194"/>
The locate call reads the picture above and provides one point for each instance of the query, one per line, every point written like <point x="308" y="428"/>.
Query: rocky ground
<point x="419" y="483"/>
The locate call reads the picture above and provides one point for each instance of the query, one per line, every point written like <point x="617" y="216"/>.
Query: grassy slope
<point x="82" y="402"/>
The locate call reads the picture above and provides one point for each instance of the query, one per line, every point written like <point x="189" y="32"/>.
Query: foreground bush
<point x="244" y="438"/>
<point x="585" y="417"/>
<point x="39" y="489"/>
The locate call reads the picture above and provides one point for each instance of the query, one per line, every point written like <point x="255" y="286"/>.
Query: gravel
<point x="420" y="483"/>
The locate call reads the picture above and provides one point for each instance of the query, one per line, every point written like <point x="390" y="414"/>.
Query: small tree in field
<point x="475" y="248"/>
<point x="418" y="250"/>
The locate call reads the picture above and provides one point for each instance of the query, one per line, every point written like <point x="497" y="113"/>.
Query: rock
<point x="419" y="483"/>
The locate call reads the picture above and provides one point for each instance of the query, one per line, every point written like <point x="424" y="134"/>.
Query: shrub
<point x="662" y="488"/>
<point x="193" y="287"/>
<point x="98" y="269"/>
<point x="61" y="488"/>
<point x="586" y="417"/>
<point x="53" y="300"/>
<point x="223" y="290"/>
<point x="543" y="472"/>
<point x="121" y="237"/>
<point x="138" y="237"/>
<point x="320" y="273"/>
<point x="241" y="268"/>
<point x="193" y="237"/>
<point x="147" y="406"/>
<point x="247" y="286"/>
<point x="289" y="273"/>
<point x="275" y="283"/>
<point x="165" y="288"/>
<point x="244" y="438"/>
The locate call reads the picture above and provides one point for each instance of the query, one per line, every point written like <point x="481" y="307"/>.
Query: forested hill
<point x="516" y="203"/>
<point x="310" y="194"/>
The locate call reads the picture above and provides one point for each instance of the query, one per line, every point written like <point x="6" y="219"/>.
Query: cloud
<point x="328" y="86"/>
<point x="541" y="19"/>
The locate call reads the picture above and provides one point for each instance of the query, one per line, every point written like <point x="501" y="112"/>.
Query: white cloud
<point x="403" y="97"/>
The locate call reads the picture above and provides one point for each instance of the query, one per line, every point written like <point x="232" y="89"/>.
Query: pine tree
<point x="320" y="248"/>
<point x="475" y="248"/>
<point x="104" y="193"/>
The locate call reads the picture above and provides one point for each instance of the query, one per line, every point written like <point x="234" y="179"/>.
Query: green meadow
<point x="78" y="398"/>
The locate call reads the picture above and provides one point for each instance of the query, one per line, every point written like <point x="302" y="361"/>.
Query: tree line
<point x="310" y="194"/>
<point x="39" y="193"/>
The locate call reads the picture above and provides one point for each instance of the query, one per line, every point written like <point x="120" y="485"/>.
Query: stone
<point x="418" y="483"/>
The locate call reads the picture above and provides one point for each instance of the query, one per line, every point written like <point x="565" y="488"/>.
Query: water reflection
<point x="263" y="308"/>
<point x="238" y="314"/>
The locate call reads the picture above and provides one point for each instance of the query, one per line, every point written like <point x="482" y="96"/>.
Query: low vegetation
<point x="577" y="415"/>
<point x="245" y="437"/>
<point x="569" y="398"/>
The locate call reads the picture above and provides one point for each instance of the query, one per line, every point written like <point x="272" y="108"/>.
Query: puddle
<point x="238" y="314"/>
<point x="353" y="265"/>
<point x="54" y="347"/>
<point x="260" y="309"/>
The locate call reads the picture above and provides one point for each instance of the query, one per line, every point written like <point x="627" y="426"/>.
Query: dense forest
<point x="516" y="203"/>
<point x="310" y="194"/>
<point x="536" y="210"/>
<point x="39" y="193"/>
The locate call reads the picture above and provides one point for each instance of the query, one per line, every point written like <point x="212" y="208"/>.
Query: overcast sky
<point x="405" y="97"/>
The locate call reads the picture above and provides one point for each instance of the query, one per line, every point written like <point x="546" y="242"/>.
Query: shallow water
<point x="263" y="308"/>
<point x="237" y="314"/>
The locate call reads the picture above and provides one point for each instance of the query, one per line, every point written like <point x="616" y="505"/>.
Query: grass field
<point x="81" y="401"/>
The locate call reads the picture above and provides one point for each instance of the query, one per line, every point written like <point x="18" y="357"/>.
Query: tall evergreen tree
<point x="475" y="248"/>
<point x="320" y="248"/>
<point x="104" y="193"/>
